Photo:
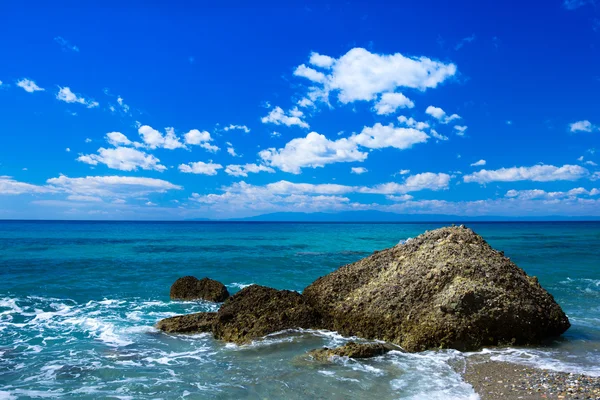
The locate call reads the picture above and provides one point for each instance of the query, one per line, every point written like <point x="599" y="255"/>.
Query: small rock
<point x="191" y="323"/>
<point x="352" y="350"/>
<point x="191" y="288"/>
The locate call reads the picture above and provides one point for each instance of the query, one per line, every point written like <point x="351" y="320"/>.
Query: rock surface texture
<point x="352" y="350"/>
<point x="256" y="311"/>
<point x="191" y="288"/>
<point x="191" y="323"/>
<point x="446" y="288"/>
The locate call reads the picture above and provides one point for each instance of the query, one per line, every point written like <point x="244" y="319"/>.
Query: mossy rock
<point x="192" y="288"/>
<point x="352" y="350"/>
<point x="256" y="311"/>
<point x="447" y="288"/>
<point x="190" y="323"/>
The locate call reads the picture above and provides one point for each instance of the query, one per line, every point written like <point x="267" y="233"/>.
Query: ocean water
<point x="78" y="301"/>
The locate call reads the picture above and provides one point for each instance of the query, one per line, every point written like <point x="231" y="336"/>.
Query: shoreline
<point x="498" y="380"/>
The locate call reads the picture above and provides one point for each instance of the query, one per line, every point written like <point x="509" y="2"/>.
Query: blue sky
<point x="162" y="111"/>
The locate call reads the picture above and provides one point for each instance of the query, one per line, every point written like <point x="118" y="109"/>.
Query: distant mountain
<point x="381" y="216"/>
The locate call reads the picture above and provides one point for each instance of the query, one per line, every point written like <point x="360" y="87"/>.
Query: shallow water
<point x="78" y="302"/>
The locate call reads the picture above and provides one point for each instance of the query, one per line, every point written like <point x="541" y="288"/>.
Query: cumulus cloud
<point x="362" y="75"/>
<point x="232" y="127"/>
<point x="200" y="168"/>
<point x="315" y="150"/>
<point x="29" y="85"/>
<point x="413" y="183"/>
<point x="279" y="117"/>
<point x="538" y="173"/>
<point x="244" y="170"/>
<point x="390" y="102"/>
<point x="65" y="94"/>
<point x="154" y="139"/>
<point x="582" y="126"/>
<point x="124" y="159"/>
<point x="358" y="170"/>
<point x="117" y="139"/>
<point x="380" y="136"/>
<point x="412" y="123"/>
<point x="479" y="163"/>
<point x="441" y="115"/>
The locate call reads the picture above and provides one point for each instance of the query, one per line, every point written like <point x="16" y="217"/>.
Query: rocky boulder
<point x="191" y="288"/>
<point x="352" y="350"/>
<point x="256" y="311"/>
<point x="190" y="323"/>
<point x="446" y="288"/>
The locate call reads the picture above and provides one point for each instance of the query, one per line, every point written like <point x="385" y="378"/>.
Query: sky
<point x="177" y="110"/>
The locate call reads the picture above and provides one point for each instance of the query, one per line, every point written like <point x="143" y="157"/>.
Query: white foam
<point x="240" y="285"/>
<point x="542" y="359"/>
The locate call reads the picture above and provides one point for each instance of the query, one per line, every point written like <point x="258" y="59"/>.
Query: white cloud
<point x="310" y="74"/>
<point x="414" y="183"/>
<point x="110" y="186"/>
<point x="404" y="172"/>
<point x="231" y="151"/>
<point x="591" y="163"/>
<point x="478" y="163"/>
<point x="29" y="85"/>
<point x="196" y="137"/>
<point x="322" y="61"/>
<point x="438" y="136"/>
<point x="200" y="168"/>
<point x="117" y="139"/>
<point x="65" y="94"/>
<point x="124" y="159"/>
<point x="278" y="117"/>
<point x="538" y="173"/>
<point x="88" y="140"/>
<point x="541" y="194"/>
<point x="381" y="136"/>
<point x="244" y="170"/>
<point x="8" y="186"/>
<point x="275" y="134"/>
<point x="65" y="45"/>
<point x="315" y="150"/>
<point x="78" y="197"/>
<point x="154" y="139"/>
<point x="390" y="102"/>
<point x="441" y="115"/>
<point x="362" y="75"/>
<point x="359" y="170"/>
<point x="232" y="127"/>
<point x="460" y="130"/>
<point x="583" y="126"/>
<point x="412" y="123"/>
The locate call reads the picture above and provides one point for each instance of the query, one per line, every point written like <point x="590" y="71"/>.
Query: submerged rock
<point x="256" y="311"/>
<point x="352" y="350"/>
<point x="446" y="288"/>
<point x="190" y="323"/>
<point x="191" y="288"/>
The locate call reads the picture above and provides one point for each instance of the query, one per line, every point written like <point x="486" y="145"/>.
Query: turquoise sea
<point x="78" y="301"/>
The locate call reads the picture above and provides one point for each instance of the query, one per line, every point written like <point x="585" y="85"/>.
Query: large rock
<point x="190" y="323"/>
<point x="444" y="289"/>
<point x="191" y="288"/>
<point x="256" y="311"/>
<point x="352" y="350"/>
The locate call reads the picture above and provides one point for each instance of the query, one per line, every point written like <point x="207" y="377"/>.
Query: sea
<point x="79" y="301"/>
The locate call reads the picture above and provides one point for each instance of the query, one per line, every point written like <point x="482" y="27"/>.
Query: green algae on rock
<point x="192" y="288"/>
<point x="256" y="311"/>
<point x="190" y="323"/>
<point x="446" y="288"/>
